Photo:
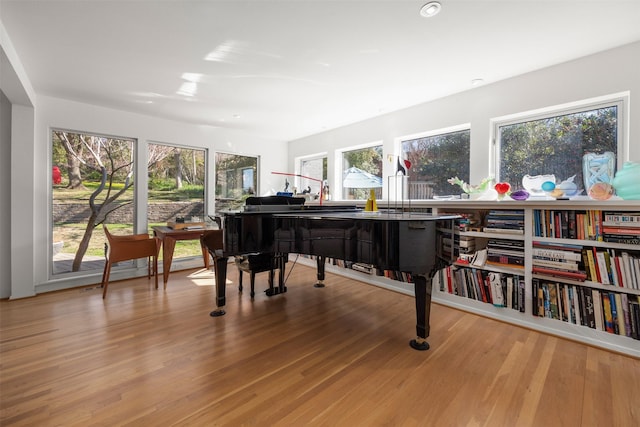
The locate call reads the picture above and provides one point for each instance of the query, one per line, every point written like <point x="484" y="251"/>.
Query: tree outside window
<point x="236" y="179"/>
<point x="434" y="159"/>
<point x="365" y="159"/>
<point x="93" y="180"/>
<point x="176" y="189"/>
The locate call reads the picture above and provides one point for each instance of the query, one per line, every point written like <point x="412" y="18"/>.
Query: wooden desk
<point x="169" y="237"/>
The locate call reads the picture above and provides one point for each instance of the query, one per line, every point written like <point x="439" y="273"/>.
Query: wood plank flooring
<point x="337" y="356"/>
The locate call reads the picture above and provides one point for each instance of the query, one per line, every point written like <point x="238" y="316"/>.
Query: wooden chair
<point x="127" y="248"/>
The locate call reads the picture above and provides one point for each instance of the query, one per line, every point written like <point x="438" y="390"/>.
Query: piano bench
<point x="258" y="263"/>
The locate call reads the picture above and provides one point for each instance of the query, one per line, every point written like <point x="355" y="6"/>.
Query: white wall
<point x="16" y="207"/>
<point x="609" y="72"/>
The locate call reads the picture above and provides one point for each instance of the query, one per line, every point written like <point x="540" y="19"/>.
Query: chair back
<point x="129" y="247"/>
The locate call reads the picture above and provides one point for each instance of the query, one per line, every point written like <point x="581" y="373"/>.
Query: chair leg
<point x="239" y="280"/>
<point x="155" y="271"/>
<point x="253" y="284"/>
<point x="105" y="278"/>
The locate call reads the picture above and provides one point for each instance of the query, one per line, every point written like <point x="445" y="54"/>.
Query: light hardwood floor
<point x="337" y="356"/>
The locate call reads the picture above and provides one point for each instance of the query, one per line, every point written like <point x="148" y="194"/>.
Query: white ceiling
<point x="288" y="69"/>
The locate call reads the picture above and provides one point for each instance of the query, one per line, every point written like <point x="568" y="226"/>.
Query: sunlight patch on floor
<point x="204" y="277"/>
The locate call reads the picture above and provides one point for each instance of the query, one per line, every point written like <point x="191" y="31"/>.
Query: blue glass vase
<point x="598" y="168"/>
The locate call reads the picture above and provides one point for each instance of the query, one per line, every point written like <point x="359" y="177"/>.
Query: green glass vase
<point x="627" y="181"/>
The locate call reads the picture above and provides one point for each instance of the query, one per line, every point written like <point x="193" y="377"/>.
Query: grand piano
<point x="388" y="240"/>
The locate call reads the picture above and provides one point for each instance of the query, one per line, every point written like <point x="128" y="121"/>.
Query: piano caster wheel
<point x="319" y="285"/>
<point x="217" y="313"/>
<point x="419" y="344"/>
<point x="270" y="292"/>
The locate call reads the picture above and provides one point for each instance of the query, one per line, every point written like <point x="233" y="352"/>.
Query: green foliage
<point x="229" y="175"/>
<point x="436" y="158"/>
<point x="555" y="145"/>
<point x="367" y="159"/>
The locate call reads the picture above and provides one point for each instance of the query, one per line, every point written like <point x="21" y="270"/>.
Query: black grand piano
<point x="386" y="239"/>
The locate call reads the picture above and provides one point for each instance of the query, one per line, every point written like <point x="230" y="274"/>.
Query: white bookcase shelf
<point x="558" y="327"/>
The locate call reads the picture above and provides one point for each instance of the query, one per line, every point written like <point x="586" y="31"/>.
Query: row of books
<point x="505" y="253"/>
<point x="559" y="260"/>
<point x="510" y="221"/>
<point x="613" y="312"/>
<point x="607" y="266"/>
<point x="613" y="267"/>
<point x="499" y="289"/>
<point x="617" y="227"/>
<point x="462" y="247"/>
<point x="400" y="276"/>
<point x="621" y="227"/>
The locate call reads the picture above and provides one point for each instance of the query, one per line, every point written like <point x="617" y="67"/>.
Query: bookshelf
<point x="520" y="282"/>
<point x="576" y="282"/>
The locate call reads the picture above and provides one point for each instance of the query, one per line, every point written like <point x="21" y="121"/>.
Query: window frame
<point x="619" y="100"/>
<point x="298" y="179"/>
<point x="197" y="253"/>
<point x="339" y="160"/>
<point x="136" y="200"/>
<point x="214" y="184"/>
<point x="398" y="141"/>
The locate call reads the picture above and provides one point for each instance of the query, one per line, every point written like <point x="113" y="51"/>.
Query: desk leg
<point x="422" y="286"/>
<point x="168" y="246"/>
<point x="221" y="284"/>
<point x="205" y="256"/>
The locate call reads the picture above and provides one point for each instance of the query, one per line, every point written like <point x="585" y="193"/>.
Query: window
<point x="92" y="178"/>
<point x="176" y="189"/>
<point x="315" y="168"/>
<point x="362" y="171"/>
<point x="236" y="179"/>
<point x="436" y="157"/>
<point x="555" y="142"/>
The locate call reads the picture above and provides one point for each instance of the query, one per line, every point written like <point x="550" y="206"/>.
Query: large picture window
<point x="92" y="177"/>
<point x="176" y="189"/>
<point x="555" y="143"/>
<point x="436" y="157"/>
<point x="236" y="179"/>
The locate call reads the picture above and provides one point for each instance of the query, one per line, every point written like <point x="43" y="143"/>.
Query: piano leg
<point x="320" y="260"/>
<point x="422" y="286"/>
<point x="221" y="283"/>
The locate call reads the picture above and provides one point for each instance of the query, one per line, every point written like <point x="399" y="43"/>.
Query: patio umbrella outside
<point x="357" y="178"/>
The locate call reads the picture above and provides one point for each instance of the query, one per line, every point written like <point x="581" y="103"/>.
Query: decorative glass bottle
<point x="627" y="181"/>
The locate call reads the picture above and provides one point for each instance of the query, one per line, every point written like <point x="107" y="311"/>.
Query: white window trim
<point x="397" y="143"/>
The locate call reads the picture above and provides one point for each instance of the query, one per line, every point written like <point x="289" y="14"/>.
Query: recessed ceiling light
<point x="430" y="9"/>
<point x="477" y="82"/>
